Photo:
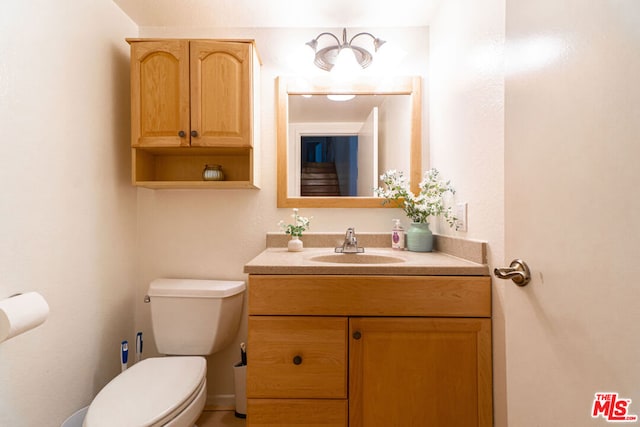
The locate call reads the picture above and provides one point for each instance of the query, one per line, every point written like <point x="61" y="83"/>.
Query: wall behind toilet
<point x="67" y="211"/>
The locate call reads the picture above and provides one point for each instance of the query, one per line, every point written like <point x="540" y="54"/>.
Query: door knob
<point x="194" y="133"/>
<point x="518" y="271"/>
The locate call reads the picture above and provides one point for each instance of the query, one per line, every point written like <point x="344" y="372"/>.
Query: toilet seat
<point x="151" y="393"/>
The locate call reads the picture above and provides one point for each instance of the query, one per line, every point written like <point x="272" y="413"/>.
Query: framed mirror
<point x="331" y="152"/>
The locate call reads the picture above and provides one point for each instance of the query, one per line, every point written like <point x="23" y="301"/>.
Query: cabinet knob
<point x="357" y="335"/>
<point x="297" y="360"/>
<point x="194" y="133"/>
<point x="181" y="134"/>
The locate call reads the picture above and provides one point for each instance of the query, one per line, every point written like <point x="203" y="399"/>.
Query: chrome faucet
<point x="350" y="245"/>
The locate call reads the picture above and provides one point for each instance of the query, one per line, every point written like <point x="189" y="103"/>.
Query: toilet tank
<point x="195" y="317"/>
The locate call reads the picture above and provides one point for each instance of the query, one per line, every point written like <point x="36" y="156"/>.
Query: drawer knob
<point x="297" y="360"/>
<point x="357" y="335"/>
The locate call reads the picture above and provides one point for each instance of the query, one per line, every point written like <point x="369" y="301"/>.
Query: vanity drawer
<point x="297" y="413"/>
<point x="422" y="296"/>
<point x="297" y="357"/>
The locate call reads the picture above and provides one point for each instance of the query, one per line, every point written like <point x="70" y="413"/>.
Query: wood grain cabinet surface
<point x="193" y="102"/>
<point x="299" y="357"/>
<point x="360" y="367"/>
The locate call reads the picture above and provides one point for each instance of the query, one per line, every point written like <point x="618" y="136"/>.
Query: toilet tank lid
<point x="195" y="288"/>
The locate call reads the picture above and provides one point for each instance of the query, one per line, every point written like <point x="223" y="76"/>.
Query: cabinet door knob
<point x="181" y="134"/>
<point x="297" y="360"/>
<point x="357" y="335"/>
<point x="194" y="133"/>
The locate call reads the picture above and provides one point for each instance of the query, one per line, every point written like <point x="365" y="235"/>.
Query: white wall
<point x="395" y="128"/>
<point x="467" y="136"/>
<point x="67" y="212"/>
<point x="193" y="233"/>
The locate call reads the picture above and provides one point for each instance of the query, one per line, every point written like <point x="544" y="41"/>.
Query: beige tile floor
<point x="219" y="419"/>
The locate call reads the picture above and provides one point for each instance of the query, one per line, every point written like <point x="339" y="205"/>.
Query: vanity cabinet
<point x="193" y="102"/>
<point x="367" y="351"/>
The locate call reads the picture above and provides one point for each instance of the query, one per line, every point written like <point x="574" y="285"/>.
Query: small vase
<point x="295" y="244"/>
<point x="419" y="238"/>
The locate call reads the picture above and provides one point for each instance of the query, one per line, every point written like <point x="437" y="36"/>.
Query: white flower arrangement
<point x="300" y="224"/>
<point x="428" y="202"/>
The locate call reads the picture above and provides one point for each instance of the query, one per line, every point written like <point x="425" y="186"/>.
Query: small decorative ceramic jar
<point x="295" y="244"/>
<point x="212" y="173"/>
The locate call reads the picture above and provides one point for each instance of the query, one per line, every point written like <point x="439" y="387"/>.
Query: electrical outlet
<point x="461" y="216"/>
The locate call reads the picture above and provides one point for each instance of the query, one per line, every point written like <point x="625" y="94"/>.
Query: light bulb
<point x="346" y="64"/>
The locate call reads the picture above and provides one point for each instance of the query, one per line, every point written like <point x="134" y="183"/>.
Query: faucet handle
<point x="350" y="237"/>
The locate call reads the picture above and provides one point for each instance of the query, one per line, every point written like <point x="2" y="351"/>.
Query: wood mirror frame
<point x="286" y="86"/>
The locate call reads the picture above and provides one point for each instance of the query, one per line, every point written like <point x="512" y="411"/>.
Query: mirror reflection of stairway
<point x="319" y="179"/>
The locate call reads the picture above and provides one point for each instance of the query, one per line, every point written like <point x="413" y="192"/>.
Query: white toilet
<point x="190" y="318"/>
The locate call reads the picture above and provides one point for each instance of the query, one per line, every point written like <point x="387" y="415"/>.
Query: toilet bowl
<point x="190" y="318"/>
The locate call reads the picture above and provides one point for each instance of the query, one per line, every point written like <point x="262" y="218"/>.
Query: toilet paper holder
<point x="20" y="313"/>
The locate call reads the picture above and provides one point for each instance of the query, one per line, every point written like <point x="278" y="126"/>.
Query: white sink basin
<point x="364" y="258"/>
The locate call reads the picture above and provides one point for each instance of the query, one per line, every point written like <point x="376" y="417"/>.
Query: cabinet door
<point x="160" y="93"/>
<point x="420" y="372"/>
<point x="221" y="94"/>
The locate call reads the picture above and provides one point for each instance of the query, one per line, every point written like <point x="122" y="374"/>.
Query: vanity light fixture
<point x="341" y="53"/>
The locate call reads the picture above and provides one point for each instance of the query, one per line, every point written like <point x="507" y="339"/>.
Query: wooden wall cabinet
<point x="324" y="351"/>
<point x="194" y="102"/>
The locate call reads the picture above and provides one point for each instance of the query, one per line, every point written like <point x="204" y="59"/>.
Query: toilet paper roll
<point x="21" y="313"/>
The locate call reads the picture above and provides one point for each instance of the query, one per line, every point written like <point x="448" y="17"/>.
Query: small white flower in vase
<point x="300" y="224"/>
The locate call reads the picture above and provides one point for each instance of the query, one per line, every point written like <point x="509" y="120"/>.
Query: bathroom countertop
<point x="278" y="260"/>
